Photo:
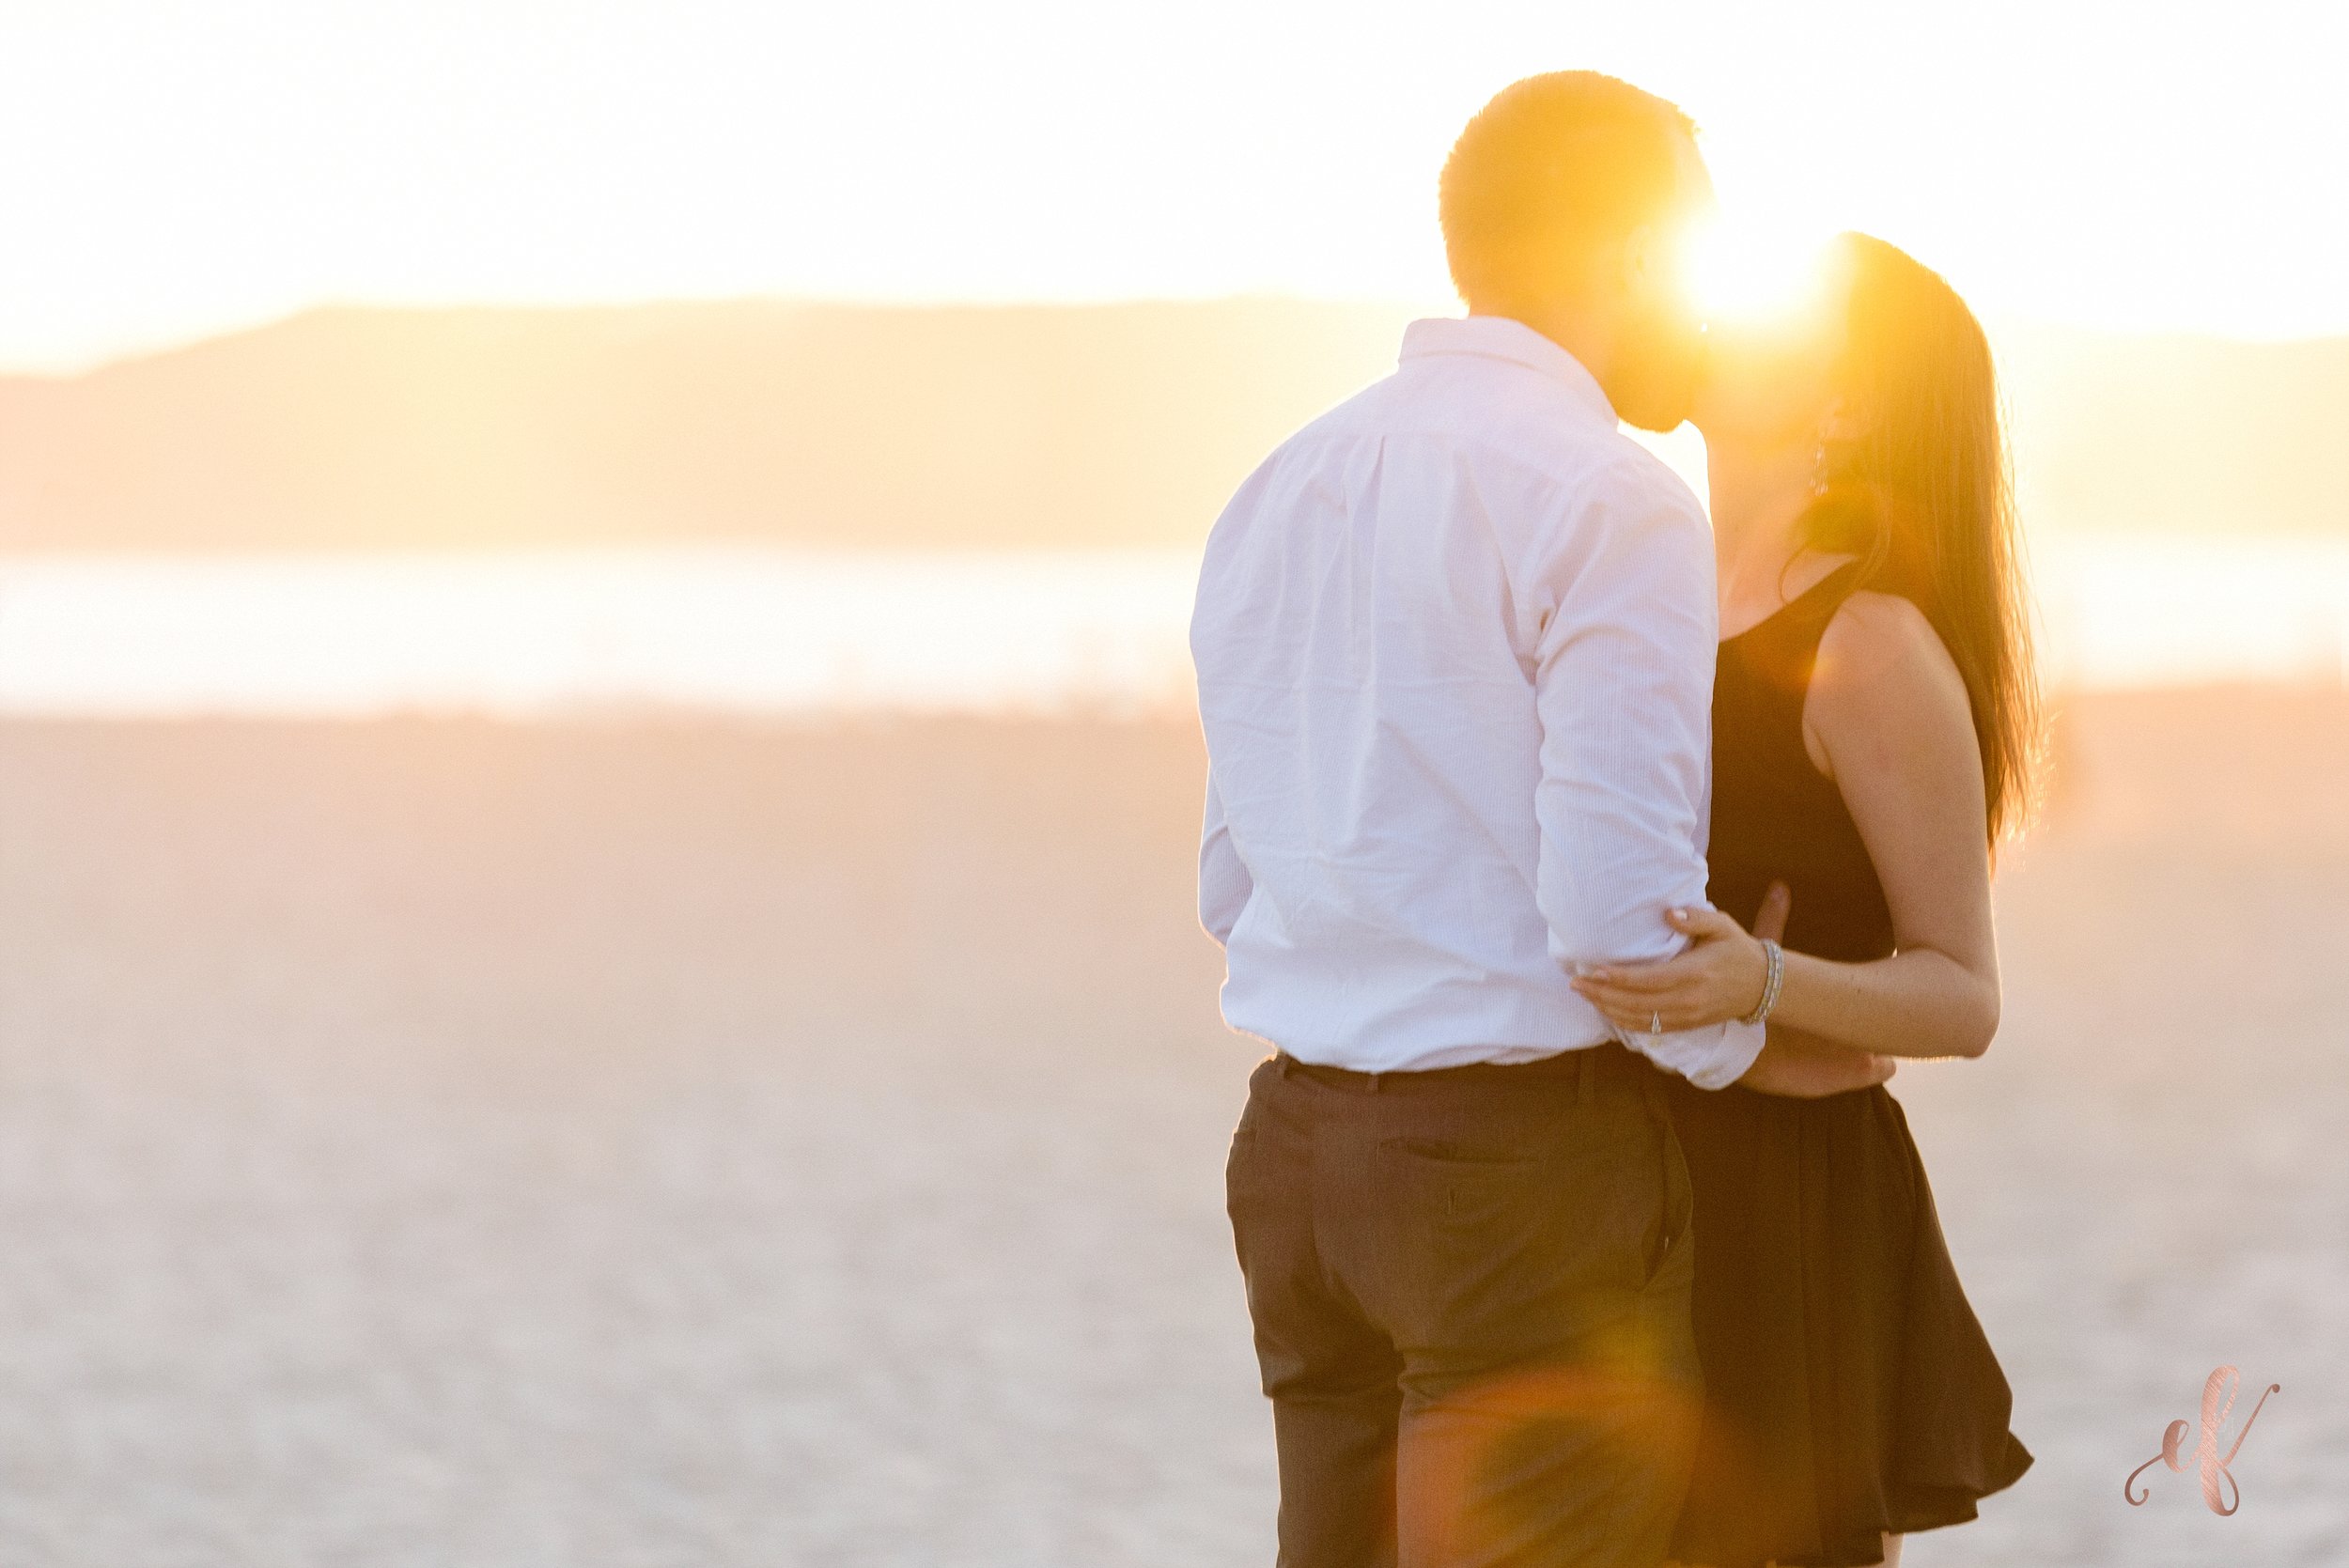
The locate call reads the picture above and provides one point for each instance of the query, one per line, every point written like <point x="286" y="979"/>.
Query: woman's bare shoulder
<point x="1875" y="636"/>
<point x="1883" y="667"/>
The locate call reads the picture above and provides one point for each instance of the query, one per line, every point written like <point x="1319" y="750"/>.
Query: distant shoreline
<point x="799" y="633"/>
<point x="776" y="423"/>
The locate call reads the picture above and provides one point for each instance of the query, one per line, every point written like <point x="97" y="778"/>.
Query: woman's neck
<point x="1758" y="496"/>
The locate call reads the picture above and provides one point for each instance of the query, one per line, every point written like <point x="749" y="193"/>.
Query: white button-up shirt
<point x="1454" y="643"/>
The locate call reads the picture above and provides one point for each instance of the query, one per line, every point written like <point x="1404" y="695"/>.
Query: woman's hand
<point x="1717" y="979"/>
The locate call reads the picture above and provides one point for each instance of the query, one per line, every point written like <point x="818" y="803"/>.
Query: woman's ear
<point x="1843" y="426"/>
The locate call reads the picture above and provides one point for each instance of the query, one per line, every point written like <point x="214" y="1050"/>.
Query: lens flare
<point x="1751" y="272"/>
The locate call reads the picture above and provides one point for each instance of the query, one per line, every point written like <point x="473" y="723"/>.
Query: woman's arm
<point x="1886" y="718"/>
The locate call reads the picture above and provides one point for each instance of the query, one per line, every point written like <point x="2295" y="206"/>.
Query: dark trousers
<point x="1470" y="1296"/>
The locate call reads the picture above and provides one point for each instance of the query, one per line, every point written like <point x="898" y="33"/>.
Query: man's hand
<point x="1804" y="1068"/>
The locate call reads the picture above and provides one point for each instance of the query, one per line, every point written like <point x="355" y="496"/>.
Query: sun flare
<point x="1748" y="272"/>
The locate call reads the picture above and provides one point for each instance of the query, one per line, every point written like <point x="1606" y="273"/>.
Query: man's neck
<point x="1580" y="331"/>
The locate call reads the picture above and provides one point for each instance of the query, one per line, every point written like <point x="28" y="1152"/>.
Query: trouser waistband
<point x="1589" y="1064"/>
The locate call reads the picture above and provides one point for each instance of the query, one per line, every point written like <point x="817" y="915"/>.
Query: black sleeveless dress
<point x="1849" y="1389"/>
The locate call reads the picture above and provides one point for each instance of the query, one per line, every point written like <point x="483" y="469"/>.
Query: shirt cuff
<point x="1741" y="1042"/>
<point x="1712" y="1058"/>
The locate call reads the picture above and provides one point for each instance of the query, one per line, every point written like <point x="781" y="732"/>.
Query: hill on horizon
<point x="871" y="427"/>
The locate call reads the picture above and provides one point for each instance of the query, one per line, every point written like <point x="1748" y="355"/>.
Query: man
<point x="1455" y="644"/>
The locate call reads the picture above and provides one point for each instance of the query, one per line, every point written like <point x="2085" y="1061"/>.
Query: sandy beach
<point x="692" y="1142"/>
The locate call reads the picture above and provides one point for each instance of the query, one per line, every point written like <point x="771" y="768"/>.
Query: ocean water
<point x="770" y="631"/>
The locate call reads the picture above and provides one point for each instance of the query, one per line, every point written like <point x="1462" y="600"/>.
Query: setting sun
<point x="1745" y="269"/>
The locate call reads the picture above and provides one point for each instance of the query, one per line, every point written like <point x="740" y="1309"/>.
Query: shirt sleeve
<point x="1224" y="880"/>
<point x="1627" y="634"/>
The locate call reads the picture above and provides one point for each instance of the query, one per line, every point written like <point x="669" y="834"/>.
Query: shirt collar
<point x="1503" y="338"/>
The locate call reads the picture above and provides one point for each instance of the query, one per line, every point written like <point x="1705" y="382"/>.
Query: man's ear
<point x="1641" y="260"/>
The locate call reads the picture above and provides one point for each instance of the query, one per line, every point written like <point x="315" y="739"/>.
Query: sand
<point x="715" y="1144"/>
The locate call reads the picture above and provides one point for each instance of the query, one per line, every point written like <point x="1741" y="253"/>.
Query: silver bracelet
<point x="1776" y="957"/>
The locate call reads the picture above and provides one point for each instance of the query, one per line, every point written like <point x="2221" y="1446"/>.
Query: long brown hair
<point x="1923" y="497"/>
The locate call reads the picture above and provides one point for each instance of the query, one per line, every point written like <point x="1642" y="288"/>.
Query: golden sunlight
<point x="1744" y="269"/>
<point x="530" y="151"/>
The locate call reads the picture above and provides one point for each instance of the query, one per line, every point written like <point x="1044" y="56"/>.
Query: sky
<point x="174" y="169"/>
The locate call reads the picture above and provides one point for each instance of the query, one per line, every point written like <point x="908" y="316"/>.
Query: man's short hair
<point x="1555" y="167"/>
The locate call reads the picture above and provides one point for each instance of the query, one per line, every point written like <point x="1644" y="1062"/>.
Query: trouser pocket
<point x="1671" y="1242"/>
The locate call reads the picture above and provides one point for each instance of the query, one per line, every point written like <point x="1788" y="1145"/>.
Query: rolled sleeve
<point x="1713" y="1058"/>
<point x="1624" y="687"/>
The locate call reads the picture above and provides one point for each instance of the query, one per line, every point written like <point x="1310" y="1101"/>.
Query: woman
<point x="1873" y="718"/>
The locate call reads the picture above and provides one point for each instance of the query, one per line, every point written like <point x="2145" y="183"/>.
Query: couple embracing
<point x="1577" y="1222"/>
